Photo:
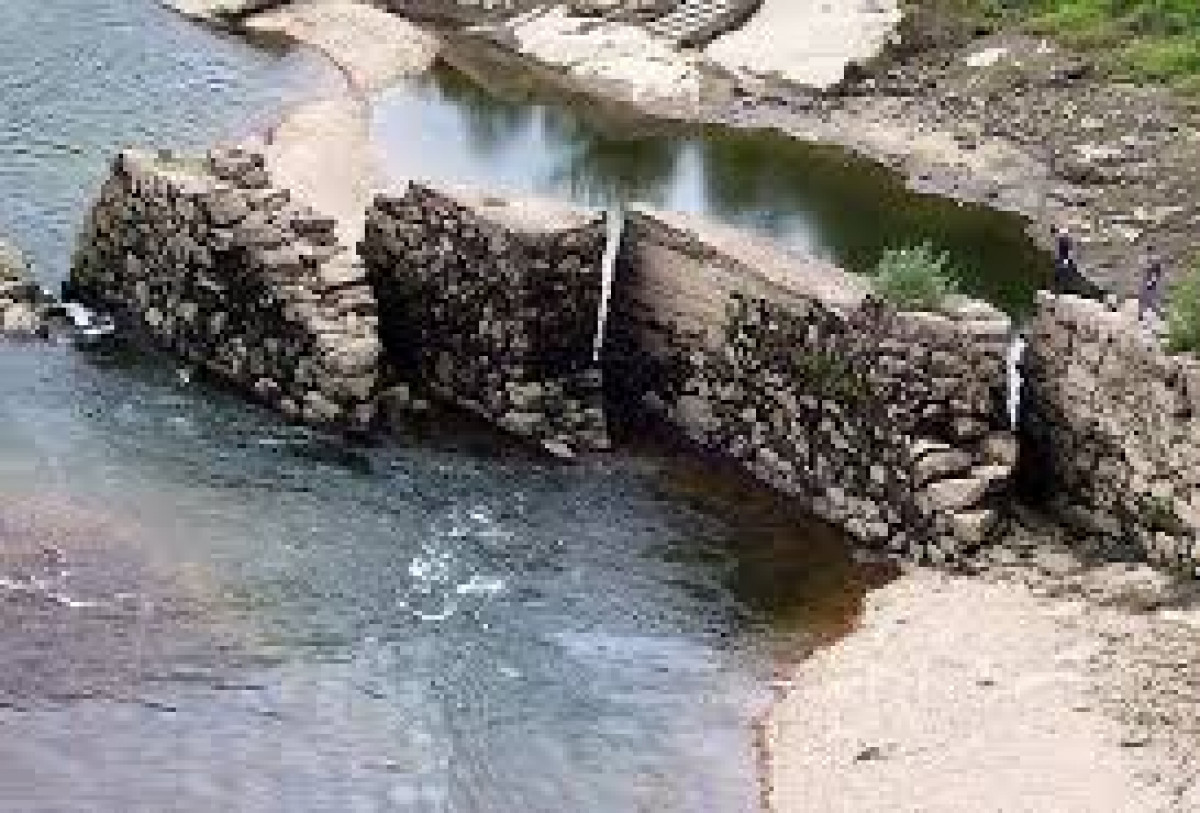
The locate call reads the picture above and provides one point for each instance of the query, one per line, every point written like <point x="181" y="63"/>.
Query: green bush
<point x="1183" y="313"/>
<point x="915" y="278"/>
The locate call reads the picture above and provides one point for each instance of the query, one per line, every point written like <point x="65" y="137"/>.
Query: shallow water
<point x="206" y="609"/>
<point x="82" y="78"/>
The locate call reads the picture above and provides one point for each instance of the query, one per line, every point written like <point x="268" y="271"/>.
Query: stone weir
<point x="493" y="303"/>
<point x="210" y="262"/>
<point x="1112" y="428"/>
<point x="890" y="425"/>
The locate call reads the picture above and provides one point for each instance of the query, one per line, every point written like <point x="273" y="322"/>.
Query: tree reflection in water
<point x="484" y="122"/>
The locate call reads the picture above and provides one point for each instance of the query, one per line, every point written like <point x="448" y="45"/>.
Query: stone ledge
<point x="492" y="303"/>
<point x="1112" y="425"/>
<point x="205" y="259"/>
<point x="791" y="367"/>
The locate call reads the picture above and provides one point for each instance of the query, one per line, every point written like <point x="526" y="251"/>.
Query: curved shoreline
<point x="926" y="598"/>
<point x="322" y="149"/>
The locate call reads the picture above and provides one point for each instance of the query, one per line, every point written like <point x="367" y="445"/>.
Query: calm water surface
<point x="485" y="124"/>
<point x="202" y="609"/>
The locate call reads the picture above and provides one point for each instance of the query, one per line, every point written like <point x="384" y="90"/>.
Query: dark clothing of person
<point x="1065" y="274"/>
<point x="1150" y="295"/>
<point x="1065" y="250"/>
<point x="1065" y="269"/>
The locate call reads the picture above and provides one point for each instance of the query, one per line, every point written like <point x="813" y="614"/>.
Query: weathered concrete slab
<point x="806" y="42"/>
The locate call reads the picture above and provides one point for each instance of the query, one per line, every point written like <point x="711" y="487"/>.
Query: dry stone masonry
<point x="1112" y="429"/>
<point x="493" y="304"/>
<point x="891" y="425"/>
<point x="207" y="260"/>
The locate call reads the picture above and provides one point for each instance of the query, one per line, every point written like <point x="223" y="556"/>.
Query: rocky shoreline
<point x="21" y="299"/>
<point x="1008" y="121"/>
<point x="953" y="124"/>
<point x="1020" y="125"/>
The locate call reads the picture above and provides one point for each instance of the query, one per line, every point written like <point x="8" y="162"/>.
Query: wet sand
<point x="958" y="694"/>
<point x="87" y="611"/>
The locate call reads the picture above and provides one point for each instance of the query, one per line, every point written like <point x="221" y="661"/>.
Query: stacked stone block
<point x="890" y="425"/>
<point x="493" y="304"/>
<point x="1111" y="424"/>
<point x="208" y="261"/>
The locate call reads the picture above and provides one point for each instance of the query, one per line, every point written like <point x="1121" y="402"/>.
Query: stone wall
<point x="1111" y="425"/>
<point x="208" y="261"/>
<point x="891" y="425"/>
<point x="493" y="304"/>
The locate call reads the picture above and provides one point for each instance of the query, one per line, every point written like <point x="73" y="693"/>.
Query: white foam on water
<point x="73" y="603"/>
<point x="479" y="585"/>
<point x="447" y="612"/>
<point x="1016" y="351"/>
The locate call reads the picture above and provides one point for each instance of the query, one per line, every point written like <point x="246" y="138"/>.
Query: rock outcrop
<point x="1111" y="424"/>
<point x="21" y="299"/>
<point x="891" y="425"/>
<point x="207" y="260"/>
<point x="618" y="63"/>
<point x="493" y="303"/>
<point x="222" y="11"/>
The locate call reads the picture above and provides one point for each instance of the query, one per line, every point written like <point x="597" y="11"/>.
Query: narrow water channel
<point x="203" y="609"/>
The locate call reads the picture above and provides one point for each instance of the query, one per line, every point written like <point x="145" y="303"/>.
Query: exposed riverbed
<point x="206" y="609"/>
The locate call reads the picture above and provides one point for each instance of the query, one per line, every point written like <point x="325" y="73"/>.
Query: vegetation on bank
<point x="1183" y="313"/>
<point x="916" y="278"/>
<point x="1146" y="40"/>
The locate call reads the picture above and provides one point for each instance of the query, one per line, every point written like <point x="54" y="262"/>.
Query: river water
<point x="204" y="609"/>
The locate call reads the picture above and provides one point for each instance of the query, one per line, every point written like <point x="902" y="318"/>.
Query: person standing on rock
<point x="1065" y="268"/>
<point x="1150" y="293"/>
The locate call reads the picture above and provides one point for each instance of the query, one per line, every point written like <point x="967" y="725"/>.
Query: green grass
<point x="1183" y="313"/>
<point x="915" y="278"/>
<point x="1147" y="40"/>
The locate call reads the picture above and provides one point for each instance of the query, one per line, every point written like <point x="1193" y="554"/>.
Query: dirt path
<point x="322" y="150"/>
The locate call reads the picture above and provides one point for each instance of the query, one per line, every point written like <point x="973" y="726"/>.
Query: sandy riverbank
<point x="322" y="149"/>
<point x="960" y="694"/>
<point x="1044" y="681"/>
